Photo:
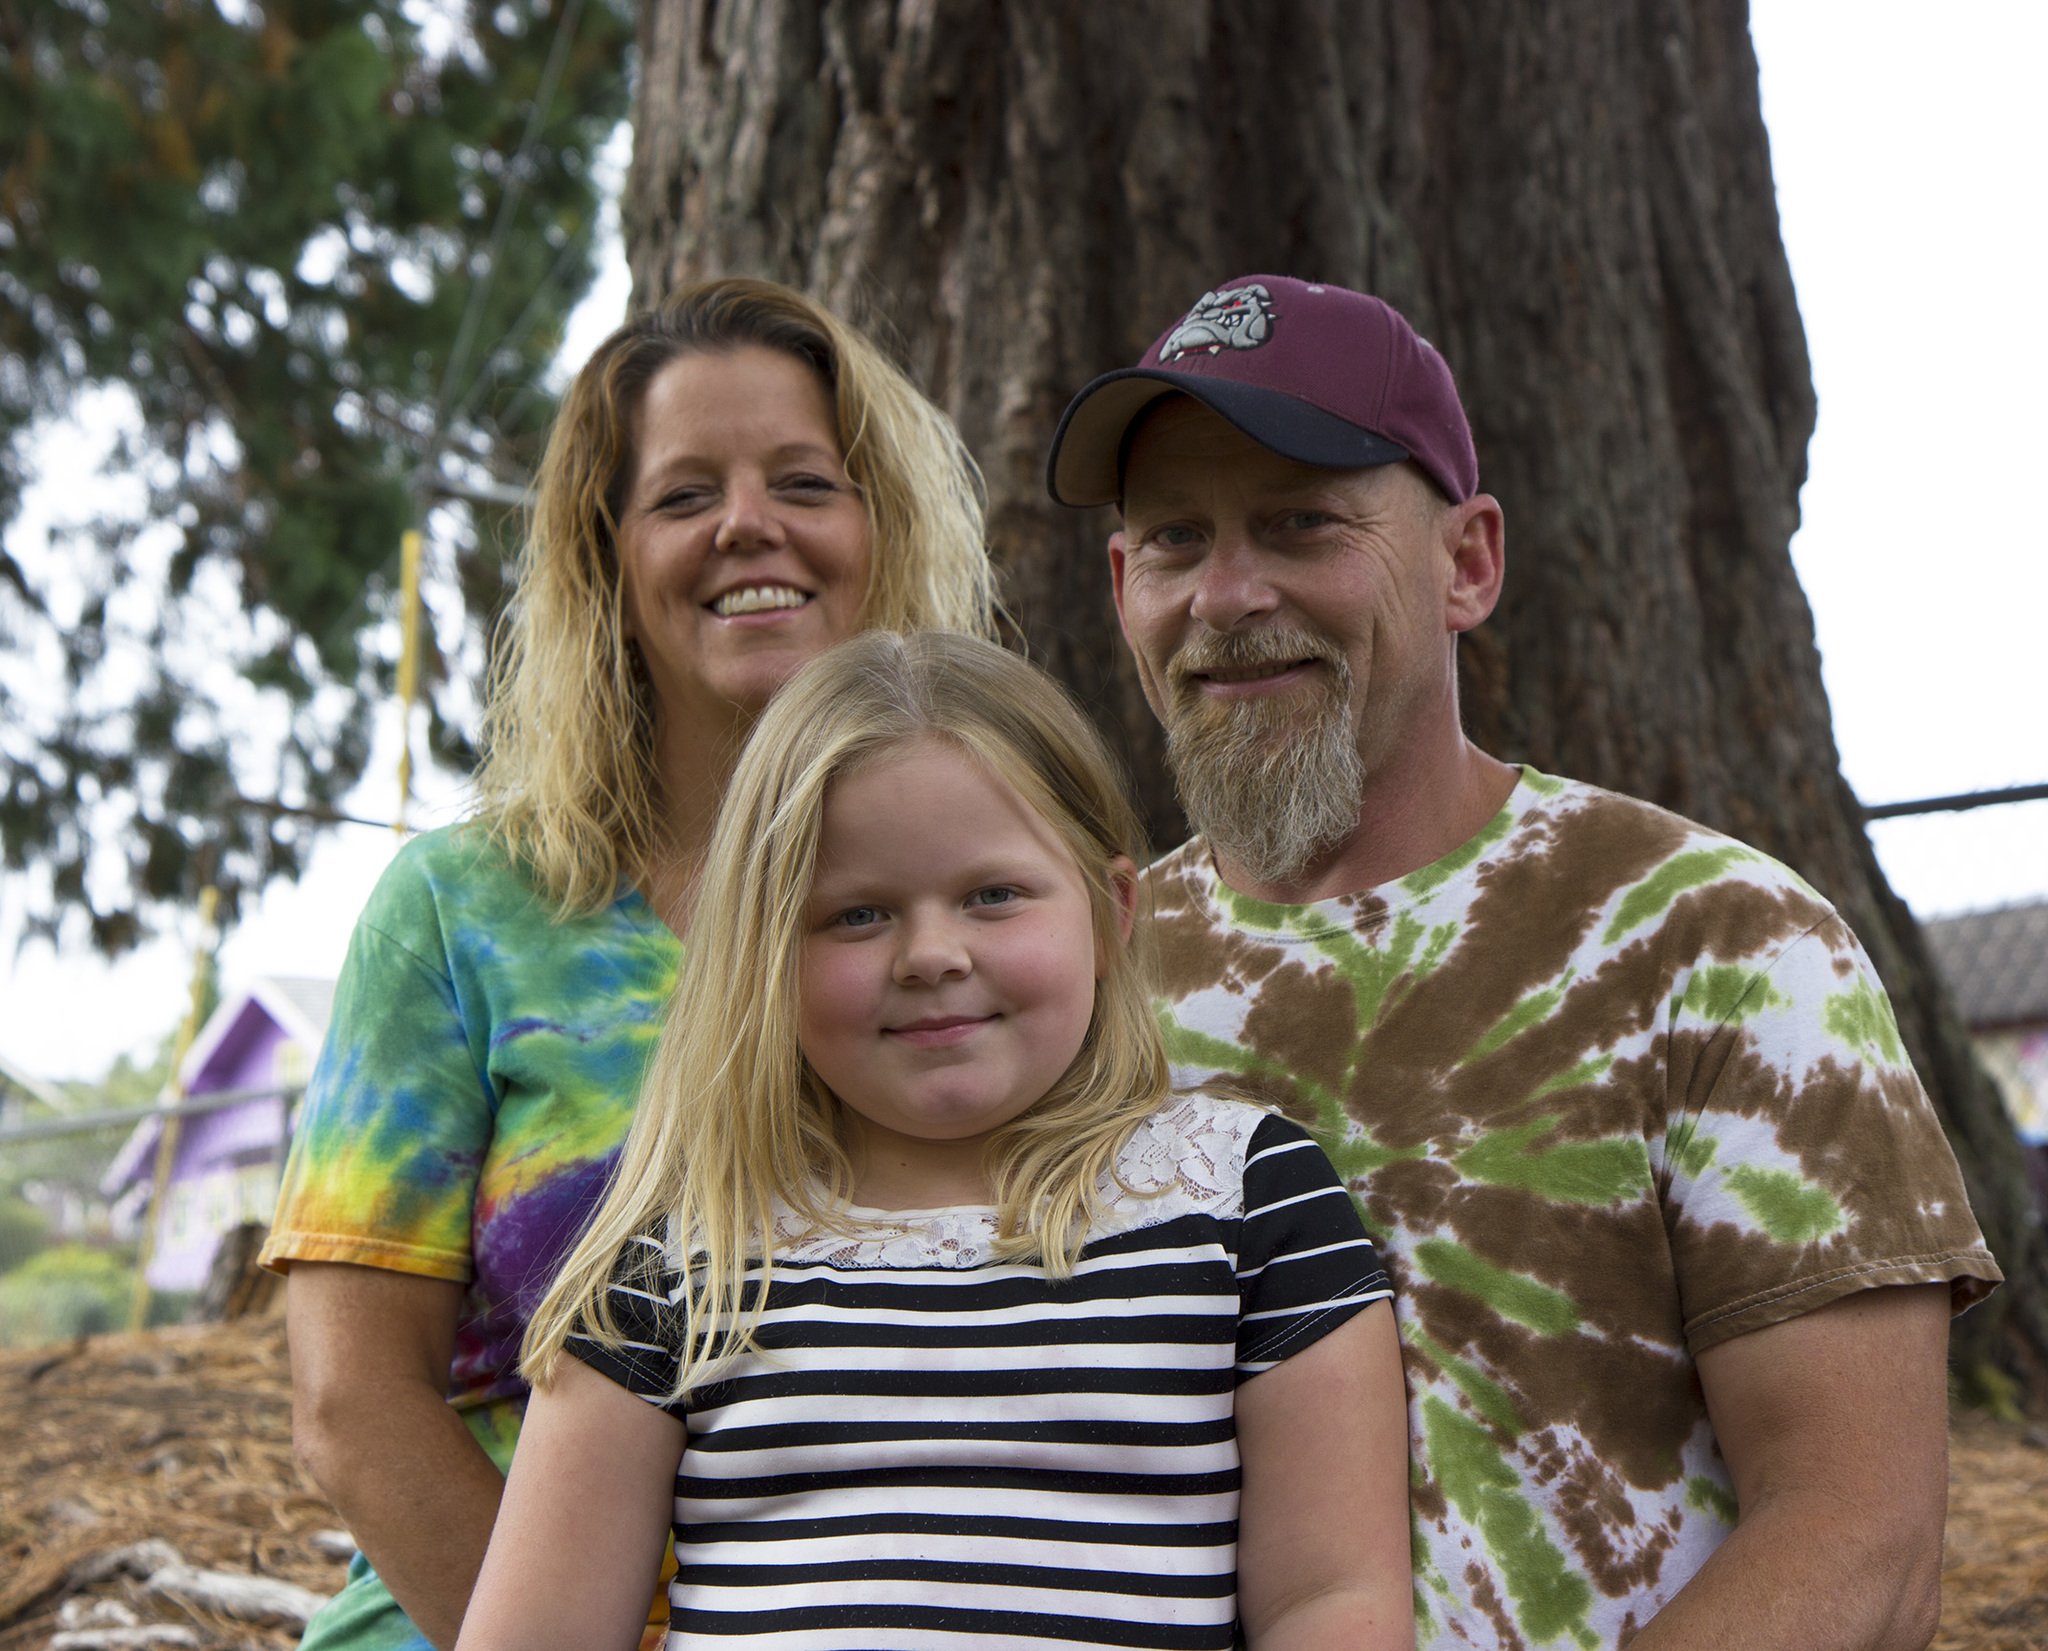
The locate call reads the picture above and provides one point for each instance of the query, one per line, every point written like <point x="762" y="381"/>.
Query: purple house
<point x="259" y="1044"/>
<point x="1996" y="963"/>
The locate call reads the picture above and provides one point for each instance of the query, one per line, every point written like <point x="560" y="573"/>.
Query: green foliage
<point x="63" y="1293"/>
<point x="23" y="1231"/>
<point x="129" y="1084"/>
<point x="64" y="1171"/>
<point x="266" y="224"/>
<point x="168" y="1307"/>
<point x="1983" y="1386"/>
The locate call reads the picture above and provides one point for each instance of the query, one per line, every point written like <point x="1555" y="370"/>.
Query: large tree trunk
<point x="1573" y="201"/>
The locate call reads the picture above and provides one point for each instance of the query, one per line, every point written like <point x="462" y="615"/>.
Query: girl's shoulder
<point x="1186" y="1157"/>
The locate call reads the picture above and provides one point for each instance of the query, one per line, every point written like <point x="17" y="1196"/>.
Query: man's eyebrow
<point x="1158" y="498"/>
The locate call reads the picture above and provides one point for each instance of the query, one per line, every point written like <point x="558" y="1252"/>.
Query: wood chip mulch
<point x="184" y="1437"/>
<point x="1994" y="1574"/>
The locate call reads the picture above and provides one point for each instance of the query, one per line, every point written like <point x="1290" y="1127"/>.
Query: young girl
<point x="918" y="1305"/>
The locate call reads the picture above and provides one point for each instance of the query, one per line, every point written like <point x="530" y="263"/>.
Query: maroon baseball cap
<point x="1318" y="374"/>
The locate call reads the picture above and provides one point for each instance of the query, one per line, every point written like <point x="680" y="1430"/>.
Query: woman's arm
<point x="579" y="1538"/>
<point x="371" y="1422"/>
<point x="1322" y="1545"/>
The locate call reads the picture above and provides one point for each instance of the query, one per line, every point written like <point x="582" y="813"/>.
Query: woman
<point x="735" y="481"/>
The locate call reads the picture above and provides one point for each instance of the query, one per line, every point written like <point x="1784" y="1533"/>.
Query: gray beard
<point x="1272" y="787"/>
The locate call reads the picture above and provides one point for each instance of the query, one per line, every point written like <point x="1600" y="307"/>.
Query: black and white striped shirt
<point x="939" y="1448"/>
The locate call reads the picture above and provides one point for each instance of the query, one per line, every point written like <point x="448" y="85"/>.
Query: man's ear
<point x="1475" y="535"/>
<point x="1116" y="577"/>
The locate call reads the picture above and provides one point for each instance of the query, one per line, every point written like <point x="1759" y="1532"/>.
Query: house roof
<point x="300" y="1005"/>
<point x="1996" y="963"/>
<point x="43" y="1094"/>
<point x="313" y="996"/>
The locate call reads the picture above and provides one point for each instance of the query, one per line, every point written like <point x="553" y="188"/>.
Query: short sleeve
<point x="398" y="1115"/>
<point x="1806" y="1162"/>
<point x="1304" y="1263"/>
<point x="641" y="1298"/>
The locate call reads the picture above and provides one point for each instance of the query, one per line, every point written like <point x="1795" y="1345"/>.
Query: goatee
<point x="1272" y="782"/>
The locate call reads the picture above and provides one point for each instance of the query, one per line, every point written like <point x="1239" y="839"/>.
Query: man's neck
<point x="1411" y="814"/>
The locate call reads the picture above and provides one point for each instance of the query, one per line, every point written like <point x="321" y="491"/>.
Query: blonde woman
<point x="736" y="481"/>
<point x="921" y="1309"/>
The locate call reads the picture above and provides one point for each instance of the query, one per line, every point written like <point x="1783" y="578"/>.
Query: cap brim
<point x="1081" y="468"/>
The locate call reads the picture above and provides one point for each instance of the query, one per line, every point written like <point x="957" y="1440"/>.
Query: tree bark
<point x="1573" y="201"/>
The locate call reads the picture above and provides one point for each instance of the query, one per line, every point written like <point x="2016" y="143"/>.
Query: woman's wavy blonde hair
<point x="567" y="783"/>
<point x="732" y="1119"/>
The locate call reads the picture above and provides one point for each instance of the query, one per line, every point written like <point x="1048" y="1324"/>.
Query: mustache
<point x="1243" y="650"/>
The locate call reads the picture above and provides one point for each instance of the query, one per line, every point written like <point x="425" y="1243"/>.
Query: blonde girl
<point x="917" y="1304"/>
<point x="736" y="480"/>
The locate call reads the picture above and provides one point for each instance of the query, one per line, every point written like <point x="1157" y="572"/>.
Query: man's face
<point x="1289" y="625"/>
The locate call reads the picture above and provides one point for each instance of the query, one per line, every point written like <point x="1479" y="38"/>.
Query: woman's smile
<point x="743" y="545"/>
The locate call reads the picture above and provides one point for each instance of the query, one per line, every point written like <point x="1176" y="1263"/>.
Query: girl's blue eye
<point x="858" y="917"/>
<point x="992" y="897"/>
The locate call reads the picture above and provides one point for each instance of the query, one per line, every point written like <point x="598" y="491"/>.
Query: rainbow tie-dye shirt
<point x="479" y="1072"/>
<point x="1609" y="1089"/>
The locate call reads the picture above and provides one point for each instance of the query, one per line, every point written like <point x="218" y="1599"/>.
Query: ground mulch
<point x="180" y="1435"/>
<point x="184" y="1436"/>
<point x="1994" y="1574"/>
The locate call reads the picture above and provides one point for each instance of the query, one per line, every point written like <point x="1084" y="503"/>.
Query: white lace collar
<point x="1186" y="1157"/>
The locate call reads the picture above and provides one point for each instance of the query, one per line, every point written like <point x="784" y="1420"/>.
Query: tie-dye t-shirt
<point x="479" y="1072"/>
<point x="1609" y="1089"/>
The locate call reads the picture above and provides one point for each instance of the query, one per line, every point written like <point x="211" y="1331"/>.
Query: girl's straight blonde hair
<point x="567" y="782"/>
<point x="732" y="1120"/>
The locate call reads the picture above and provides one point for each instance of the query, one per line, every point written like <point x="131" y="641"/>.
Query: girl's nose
<point x="931" y="949"/>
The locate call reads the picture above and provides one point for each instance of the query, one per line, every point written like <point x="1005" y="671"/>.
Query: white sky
<point x="1912" y="169"/>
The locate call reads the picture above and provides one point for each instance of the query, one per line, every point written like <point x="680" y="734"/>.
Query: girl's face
<point x="948" y="969"/>
<point x="743" y="548"/>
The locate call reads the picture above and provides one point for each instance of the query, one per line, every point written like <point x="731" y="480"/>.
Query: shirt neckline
<point x="1342" y="913"/>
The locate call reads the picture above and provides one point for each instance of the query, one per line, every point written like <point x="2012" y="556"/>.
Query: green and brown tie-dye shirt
<point x="1609" y="1089"/>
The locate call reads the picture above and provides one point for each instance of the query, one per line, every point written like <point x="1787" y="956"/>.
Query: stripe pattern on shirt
<point x="936" y="1446"/>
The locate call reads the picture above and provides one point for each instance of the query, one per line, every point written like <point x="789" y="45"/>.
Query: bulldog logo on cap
<point x="1240" y="319"/>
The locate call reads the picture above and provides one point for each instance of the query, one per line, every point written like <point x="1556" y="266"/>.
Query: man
<point x="1675" y="1231"/>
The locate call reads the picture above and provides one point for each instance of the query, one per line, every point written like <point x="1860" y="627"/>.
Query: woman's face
<point x="743" y="548"/>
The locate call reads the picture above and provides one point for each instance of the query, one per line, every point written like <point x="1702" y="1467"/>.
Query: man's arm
<point x="1323" y="1547"/>
<point x="370" y="1352"/>
<point x="1834" y="1426"/>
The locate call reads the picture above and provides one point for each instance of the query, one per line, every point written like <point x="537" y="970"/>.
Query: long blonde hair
<point x="567" y="783"/>
<point x="732" y="1120"/>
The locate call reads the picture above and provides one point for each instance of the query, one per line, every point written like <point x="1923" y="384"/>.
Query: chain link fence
<point x="76" y="1184"/>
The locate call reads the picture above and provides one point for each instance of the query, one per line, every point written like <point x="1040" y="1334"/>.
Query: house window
<point x="291" y="1065"/>
<point x="257" y="1189"/>
<point x="178" y="1213"/>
